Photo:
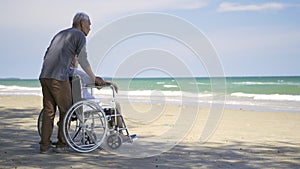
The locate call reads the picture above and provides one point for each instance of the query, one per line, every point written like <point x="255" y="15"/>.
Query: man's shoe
<point x="46" y="151"/>
<point x="62" y="149"/>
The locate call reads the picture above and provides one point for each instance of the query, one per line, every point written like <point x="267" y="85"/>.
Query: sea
<point x="275" y="94"/>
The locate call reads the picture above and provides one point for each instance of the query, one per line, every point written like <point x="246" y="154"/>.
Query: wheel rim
<point x="87" y="131"/>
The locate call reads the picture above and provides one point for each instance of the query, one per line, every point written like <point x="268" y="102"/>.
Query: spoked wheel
<point x="114" y="141"/>
<point x="39" y="122"/>
<point x="85" y="126"/>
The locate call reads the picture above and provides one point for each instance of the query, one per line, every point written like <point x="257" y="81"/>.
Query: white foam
<point x="199" y="83"/>
<point x="170" y="86"/>
<point x="19" y="90"/>
<point x="152" y="93"/>
<point x="277" y="97"/>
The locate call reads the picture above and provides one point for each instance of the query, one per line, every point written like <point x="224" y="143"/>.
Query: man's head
<point x="82" y="21"/>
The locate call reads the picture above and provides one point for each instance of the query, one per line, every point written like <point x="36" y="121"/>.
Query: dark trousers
<point x="55" y="94"/>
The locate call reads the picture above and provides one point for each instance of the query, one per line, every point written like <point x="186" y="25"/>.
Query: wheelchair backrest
<point x="76" y="88"/>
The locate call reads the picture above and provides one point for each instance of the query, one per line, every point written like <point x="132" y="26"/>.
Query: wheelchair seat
<point x="76" y="88"/>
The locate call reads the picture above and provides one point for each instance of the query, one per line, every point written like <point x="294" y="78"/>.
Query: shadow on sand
<point x="19" y="149"/>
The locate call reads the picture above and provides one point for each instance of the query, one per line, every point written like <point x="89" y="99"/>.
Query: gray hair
<point x="78" y="17"/>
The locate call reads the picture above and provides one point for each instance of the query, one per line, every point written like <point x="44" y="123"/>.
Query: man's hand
<point x="100" y="83"/>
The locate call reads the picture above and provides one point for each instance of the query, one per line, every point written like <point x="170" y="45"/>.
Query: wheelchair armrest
<point x="106" y="85"/>
<point x="97" y="86"/>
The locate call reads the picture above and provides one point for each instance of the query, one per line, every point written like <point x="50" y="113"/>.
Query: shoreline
<point x="241" y="138"/>
<point x="34" y="99"/>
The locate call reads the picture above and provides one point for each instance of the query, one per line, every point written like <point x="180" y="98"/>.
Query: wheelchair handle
<point x="112" y="88"/>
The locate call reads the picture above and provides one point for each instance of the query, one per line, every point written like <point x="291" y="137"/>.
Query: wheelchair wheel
<point x="114" y="141"/>
<point x="39" y="122"/>
<point x="85" y="126"/>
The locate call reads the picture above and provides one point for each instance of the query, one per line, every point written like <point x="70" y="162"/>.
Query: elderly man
<point x="54" y="77"/>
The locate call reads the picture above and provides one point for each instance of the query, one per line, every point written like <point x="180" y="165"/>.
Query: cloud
<point x="19" y="13"/>
<point x="227" y="7"/>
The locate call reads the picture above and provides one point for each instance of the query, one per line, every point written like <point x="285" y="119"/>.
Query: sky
<point x="251" y="38"/>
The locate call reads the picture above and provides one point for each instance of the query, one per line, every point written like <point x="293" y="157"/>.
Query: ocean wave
<point x="199" y="83"/>
<point x="165" y="93"/>
<point x="4" y="88"/>
<point x="152" y="95"/>
<point x="267" y="83"/>
<point x="20" y="90"/>
<point x="275" y="97"/>
<point x="170" y="86"/>
<point x="280" y="102"/>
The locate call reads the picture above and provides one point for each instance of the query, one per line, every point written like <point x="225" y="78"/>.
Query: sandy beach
<point x="242" y="139"/>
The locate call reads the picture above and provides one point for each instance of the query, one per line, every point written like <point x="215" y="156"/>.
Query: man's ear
<point x="81" y="23"/>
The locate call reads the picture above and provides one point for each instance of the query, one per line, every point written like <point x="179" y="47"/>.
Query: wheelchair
<point x="92" y="123"/>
